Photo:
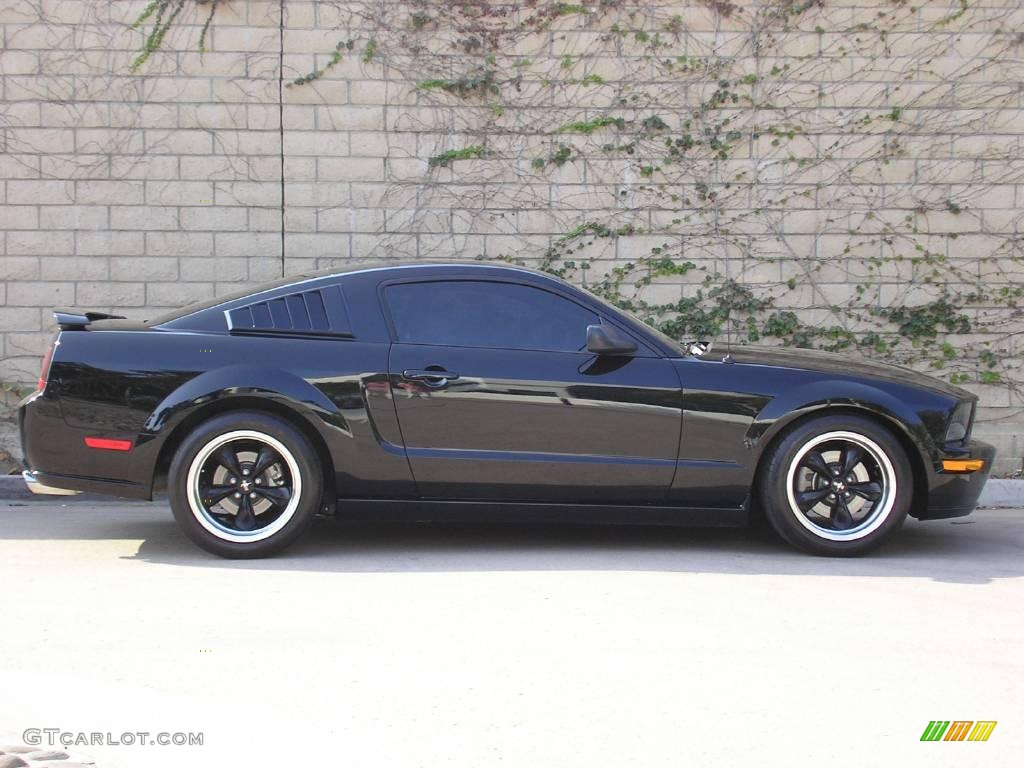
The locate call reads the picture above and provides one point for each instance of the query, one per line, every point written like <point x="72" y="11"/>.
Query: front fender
<point x="815" y="396"/>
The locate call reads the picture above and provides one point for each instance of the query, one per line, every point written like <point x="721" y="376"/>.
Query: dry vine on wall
<point x="788" y="180"/>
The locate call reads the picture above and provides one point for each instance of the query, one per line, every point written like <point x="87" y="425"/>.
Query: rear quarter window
<point x="318" y="311"/>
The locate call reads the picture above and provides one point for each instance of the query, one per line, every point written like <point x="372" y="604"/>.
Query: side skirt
<point x="432" y="510"/>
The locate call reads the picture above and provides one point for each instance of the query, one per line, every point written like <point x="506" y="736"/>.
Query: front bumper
<point x="955" y="494"/>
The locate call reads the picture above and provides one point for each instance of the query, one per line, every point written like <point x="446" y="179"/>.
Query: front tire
<point x="245" y="485"/>
<point x="836" y="485"/>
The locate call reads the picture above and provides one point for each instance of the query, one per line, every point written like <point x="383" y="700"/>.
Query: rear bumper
<point x="49" y="443"/>
<point x="955" y="494"/>
<point x="49" y="483"/>
<point x="34" y="484"/>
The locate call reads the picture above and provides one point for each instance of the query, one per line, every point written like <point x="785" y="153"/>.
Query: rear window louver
<point x="319" y="312"/>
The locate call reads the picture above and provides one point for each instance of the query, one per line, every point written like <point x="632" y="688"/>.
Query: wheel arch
<point x="914" y="452"/>
<point x="252" y="403"/>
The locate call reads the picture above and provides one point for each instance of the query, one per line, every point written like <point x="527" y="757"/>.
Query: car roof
<point x="440" y="269"/>
<point x="313" y="275"/>
<point x="374" y="266"/>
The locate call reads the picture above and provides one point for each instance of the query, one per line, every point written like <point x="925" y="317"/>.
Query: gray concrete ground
<point x="516" y="646"/>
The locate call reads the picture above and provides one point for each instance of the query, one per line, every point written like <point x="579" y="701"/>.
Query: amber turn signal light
<point x="962" y="465"/>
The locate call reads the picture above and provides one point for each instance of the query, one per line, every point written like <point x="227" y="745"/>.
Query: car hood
<point x="840" y="365"/>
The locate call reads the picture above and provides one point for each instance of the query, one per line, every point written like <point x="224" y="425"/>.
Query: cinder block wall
<point x="132" y="192"/>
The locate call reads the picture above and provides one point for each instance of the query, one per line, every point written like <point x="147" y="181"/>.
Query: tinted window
<point x="473" y="313"/>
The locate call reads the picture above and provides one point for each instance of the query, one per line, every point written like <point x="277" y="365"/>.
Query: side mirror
<point x="607" y="340"/>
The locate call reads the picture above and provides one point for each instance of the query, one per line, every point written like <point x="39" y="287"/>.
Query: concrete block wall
<point x="207" y="171"/>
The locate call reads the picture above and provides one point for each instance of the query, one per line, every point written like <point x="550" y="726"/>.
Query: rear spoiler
<point x="69" y="319"/>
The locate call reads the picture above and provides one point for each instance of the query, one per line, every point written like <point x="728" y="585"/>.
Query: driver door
<point x="498" y="399"/>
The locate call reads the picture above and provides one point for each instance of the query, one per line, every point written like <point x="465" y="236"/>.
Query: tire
<point x="245" y="485"/>
<point x="836" y="485"/>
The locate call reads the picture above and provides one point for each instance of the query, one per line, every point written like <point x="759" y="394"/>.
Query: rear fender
<point x="243" y="380"/>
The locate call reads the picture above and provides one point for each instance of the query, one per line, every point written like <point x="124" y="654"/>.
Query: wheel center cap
<point x="838" y="485"/>
<point x="245" y="486"/>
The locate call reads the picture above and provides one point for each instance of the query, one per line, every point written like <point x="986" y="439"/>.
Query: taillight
<point x="44" y="371"/>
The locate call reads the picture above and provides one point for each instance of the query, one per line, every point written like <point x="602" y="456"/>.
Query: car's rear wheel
<point x="245" y="484"/>
<point x="836" y="485"/>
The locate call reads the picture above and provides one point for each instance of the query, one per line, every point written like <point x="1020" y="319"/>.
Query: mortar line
<point x="280" y="123"/>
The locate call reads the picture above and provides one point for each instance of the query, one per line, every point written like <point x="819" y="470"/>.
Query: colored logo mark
<point x="958" y="730"/>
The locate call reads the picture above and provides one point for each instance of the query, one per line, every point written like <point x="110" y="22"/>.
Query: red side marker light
<point x="108" y="444"/>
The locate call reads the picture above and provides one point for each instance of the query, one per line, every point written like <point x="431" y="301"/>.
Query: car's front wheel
<point x="245" y="484"/>
<point x="836" y="485"/>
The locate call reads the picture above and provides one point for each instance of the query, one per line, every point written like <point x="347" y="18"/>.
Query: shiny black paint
<point x="652" y="434"/>
<point x="536" y="426"/>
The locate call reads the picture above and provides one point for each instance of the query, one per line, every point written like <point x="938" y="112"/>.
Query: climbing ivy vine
<point x="159" y="16"/>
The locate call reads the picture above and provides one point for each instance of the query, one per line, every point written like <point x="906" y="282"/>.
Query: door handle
<point x="431" y="377"/>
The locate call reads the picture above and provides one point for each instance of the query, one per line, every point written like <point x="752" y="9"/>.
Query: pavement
<point x="527" y="646"/>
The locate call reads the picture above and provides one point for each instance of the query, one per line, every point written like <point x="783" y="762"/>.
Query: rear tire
<point x="836" y="485"/>
<point x="245" y="485"/>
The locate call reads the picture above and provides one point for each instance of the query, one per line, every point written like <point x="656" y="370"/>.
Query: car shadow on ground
<point x="974" y="551"/>
<point x="987" y="546"/>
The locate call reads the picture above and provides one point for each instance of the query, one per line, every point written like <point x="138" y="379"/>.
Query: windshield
<point x="199" y="306"/>
<point x="251" y="290"/>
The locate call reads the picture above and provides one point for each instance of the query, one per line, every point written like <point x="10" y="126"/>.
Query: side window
<point x="476" y="313"/>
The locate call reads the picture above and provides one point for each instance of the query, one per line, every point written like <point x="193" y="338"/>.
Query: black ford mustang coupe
<point x="483" y="392"/>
